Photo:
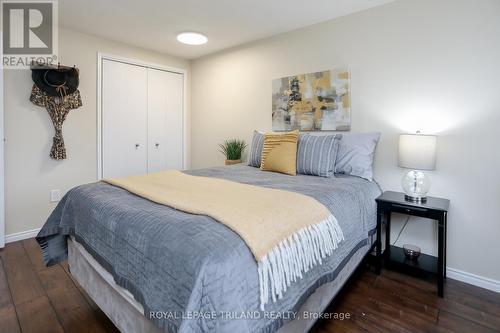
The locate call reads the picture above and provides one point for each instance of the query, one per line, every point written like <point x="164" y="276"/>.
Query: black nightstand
<point x="434" y="208"/>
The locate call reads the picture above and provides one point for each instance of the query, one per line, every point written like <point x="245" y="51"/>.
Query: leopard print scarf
<point x="58" y="109"/>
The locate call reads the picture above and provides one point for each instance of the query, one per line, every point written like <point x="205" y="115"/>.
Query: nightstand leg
<point x="378" y="245"/>
<point x="440" y="267"/>
<point x="387" y="234"/>
<point x="445" y="241"/>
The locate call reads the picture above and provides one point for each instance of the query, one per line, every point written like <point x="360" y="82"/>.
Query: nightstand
<point x="393" y="256"/>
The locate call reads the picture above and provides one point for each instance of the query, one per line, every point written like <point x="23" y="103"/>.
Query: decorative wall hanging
<point x="56" y="89"/>
<point x="313" y="102"/>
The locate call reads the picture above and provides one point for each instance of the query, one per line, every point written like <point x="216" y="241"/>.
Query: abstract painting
<point x="313" y="102"/>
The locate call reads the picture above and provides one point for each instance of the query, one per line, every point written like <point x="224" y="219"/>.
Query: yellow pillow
<point x="279" y="152"/>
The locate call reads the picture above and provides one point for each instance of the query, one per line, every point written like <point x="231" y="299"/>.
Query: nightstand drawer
<point x="410" y="210"/>
<point x="405" y="209"/>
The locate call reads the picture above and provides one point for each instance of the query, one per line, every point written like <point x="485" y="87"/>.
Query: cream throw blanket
<point x="287" y="232"/>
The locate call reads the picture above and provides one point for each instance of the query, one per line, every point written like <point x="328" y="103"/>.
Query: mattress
<point x="128" y="315"/>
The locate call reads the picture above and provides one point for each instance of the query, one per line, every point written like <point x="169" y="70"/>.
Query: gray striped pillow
<point x="316" y="154"/>
<point x="256" y="149"/>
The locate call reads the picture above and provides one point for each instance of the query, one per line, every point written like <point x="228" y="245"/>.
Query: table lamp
<point x="417" y="152"/>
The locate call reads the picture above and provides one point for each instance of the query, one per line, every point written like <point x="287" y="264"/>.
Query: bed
<point x="152" y="268"/>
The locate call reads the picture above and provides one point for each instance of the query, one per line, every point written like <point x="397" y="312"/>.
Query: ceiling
<point x="154" y="24"/>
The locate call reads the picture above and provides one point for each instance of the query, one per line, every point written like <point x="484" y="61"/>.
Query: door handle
<point x="137" y="146"/>
<point x="157" y="145"/>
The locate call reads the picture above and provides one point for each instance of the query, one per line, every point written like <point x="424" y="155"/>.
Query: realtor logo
<point x="29" y="33"/>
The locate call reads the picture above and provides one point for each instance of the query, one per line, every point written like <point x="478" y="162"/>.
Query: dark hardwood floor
<point x="34" y="298"/>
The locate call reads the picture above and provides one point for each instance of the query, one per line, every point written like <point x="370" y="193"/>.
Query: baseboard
<point x="476" y="280"/>
<point x="21" y="235"/>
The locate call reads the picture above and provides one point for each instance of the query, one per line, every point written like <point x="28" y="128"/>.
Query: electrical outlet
<point x="55" y="195"/>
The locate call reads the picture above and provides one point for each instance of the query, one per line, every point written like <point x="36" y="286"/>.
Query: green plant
<point x="232" y="148"/>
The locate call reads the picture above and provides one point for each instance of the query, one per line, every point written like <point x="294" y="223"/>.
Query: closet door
<point x="165" y="124"/>
<point x="124" y="119"/>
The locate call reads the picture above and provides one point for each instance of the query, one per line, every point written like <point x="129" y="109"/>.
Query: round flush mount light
<point x="192" y="38"/>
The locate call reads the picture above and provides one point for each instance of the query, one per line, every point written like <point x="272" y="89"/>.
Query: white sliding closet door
<point x="124" y="119"/>
<point x="165" y="123"/>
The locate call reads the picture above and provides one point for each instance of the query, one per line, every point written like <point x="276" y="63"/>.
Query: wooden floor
<point x="34" y="298"/>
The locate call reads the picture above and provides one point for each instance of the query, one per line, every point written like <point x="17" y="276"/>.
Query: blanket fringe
<point x="296" y="255"/>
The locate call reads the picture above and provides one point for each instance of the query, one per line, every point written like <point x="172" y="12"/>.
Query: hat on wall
<point x="56" y="81"/>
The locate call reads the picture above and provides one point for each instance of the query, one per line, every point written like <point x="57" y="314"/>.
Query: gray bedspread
<point x="191" y="273"/>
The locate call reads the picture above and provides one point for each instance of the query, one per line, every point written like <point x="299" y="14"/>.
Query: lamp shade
<point x="417" y="151"/>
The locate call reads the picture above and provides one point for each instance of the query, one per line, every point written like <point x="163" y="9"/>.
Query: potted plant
<point x="232" y="150"/>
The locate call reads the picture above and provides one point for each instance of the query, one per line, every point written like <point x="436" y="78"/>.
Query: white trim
<point x="18" y="236"/>
<point x="184" y="122"/>
<point x="473" y="279"/>
<point x="137" y="62"/>
<point x="2" y="144"/>
<point x="100" y="57"/>
<point x="99" y="117"/>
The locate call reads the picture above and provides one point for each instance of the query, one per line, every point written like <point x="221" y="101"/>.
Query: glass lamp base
<point x="416" y="184"/>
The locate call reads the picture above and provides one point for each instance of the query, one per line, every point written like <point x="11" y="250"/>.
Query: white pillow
<point x="356" y="153"/>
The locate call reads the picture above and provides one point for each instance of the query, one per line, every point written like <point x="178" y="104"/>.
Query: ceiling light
<point x="192" y="38"/>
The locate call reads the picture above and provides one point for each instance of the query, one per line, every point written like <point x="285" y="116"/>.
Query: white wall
<point x="432" y="65"/>
<point x="30" y="173"/>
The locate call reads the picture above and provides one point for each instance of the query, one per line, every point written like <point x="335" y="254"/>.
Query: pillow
<point x="355" y="155"/>
<point x="255" y="157"/>
<point x="279" y="152"/>
<point x="256" y="149"/>
<point x="316" y="154"/>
